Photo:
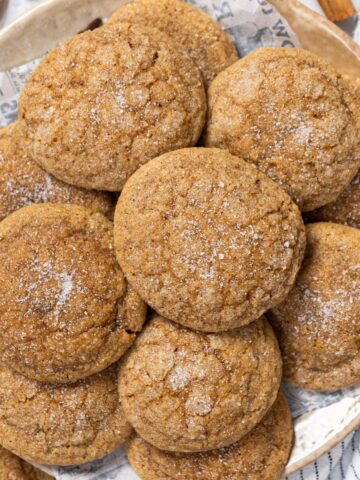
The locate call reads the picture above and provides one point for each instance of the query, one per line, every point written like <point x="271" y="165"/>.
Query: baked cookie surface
<point x="318" y="323"/>
<point x="345" y="209"/>
<point x="61" y="424"/>
<point x="211" y="49"/>
<point x="107" y="101"/>
<point x="190" y="391"/>
<point x="261" y="455"/>
<point x="207" y="240"/>
<point x="14" y="468"/>
<point x="287" y="112"/>
<point x="23" y="182"/>
<point x="66" y="309"/>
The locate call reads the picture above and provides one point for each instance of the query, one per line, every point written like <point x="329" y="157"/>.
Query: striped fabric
<point x="341" y="463"/>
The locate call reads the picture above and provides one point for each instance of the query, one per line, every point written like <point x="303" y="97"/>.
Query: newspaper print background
<point x="252" y="24"/>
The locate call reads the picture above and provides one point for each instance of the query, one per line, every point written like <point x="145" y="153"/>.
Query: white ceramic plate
<point x="43" y="27"/>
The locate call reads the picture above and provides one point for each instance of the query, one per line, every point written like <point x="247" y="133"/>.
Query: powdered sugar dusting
<point x="66" y="288"/>
<point x="179" y="378"/>
<point x="199" y="404"/>
<point x="56" y="288"/>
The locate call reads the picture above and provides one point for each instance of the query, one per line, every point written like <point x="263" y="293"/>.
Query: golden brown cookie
<point x="33" y="473"/>
<point x="66" y="309"/>
<point x="61" y="424"/>
<point x="318" y="324"/>
<point x="107" y="101"/>
<point x="354" y="83"/>
<point x="190" y="391"/>
<point x="345" y="209"/>
<point x="14" y="468"/>
<point x="22" y="182"/>
<point x="206" y="239"/>
<point x="261" y="455"/>
<point x="211" y="49"/>
<point x="291" y="115"/>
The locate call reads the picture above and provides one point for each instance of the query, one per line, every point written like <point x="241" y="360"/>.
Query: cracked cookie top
<point x="261" y="454"/>
<point x="318" y="324"/>
<point x="66" y="309"/>
<point x="61" y="424"/>
<point x="107" y="101"/>
<point x="291" y="115"/>
<point x="23" y="182"/>
<point x="191" y="391"/>
<point x="14" y="468"/>
<point x="206" y="239"/>
<point x="211" y="49"/>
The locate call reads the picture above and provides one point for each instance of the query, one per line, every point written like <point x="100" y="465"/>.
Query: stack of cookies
<point x="215" y="159"/>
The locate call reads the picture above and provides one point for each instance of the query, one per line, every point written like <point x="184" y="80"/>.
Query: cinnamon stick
<point x="337" y="10"/>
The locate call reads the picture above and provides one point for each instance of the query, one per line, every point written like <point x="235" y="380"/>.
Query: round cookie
<point x="291" y="115"/>
<point x="61" y="424"/>
<point x="211" y="49"/>
<point x="107" y="101"/>
<point x="14" y="468"/>
<point x="66" y="310"/>
<point x="345" y="209"/>
<point x="318" y="324"/>
<point x="206" y="239"/>
<point x="189" y="391"/>
<point x="261" y="455"/>
<point x="22" y="182"/>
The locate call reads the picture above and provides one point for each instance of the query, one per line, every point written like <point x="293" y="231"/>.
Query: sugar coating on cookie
<point x="211" y="49"/>
<point x="291" y="115"/>
<point x="345" y="209"/>
<point x="66" y="310"/>
<point x="207" y="240"/>
<point x="190" y="391"/>
<point x="66" y="424"/>
<point x="14" y="468"/>
<point x="318" y="324"/>
<point x="261" y="454"/>
<point x="23" y="182"/>
<point x="105" y="102"/>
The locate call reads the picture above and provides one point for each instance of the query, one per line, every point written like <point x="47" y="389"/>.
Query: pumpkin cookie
<point x="14" y="468"/>
<point x="61" y="424"/>
<point x="211" y="49"/>
<point x="291" y="115"/>
<point x="261" y="455"/>
<point x="189" y="391"/>
<point x="206" y="239"/>
<point x="345" y="209"/>
<point x="318" y="324"/>
<point x="105" y="102"/>
<point x="22" y="182"/>
<point x="66" y="310"/>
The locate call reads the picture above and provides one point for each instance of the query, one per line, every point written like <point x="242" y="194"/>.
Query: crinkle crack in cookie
<point x="206" y="239"/>
<point x="14" y="468"/>
<point x="291" y="115"/>
<point x="261" y="455"/>
<point x="105" y="102"/>
<point x="61" y="424"/>
<point x="190" y="391"/>
<point x="66" y="310"/>
<point x="318" y="324"/>
<point x="211" y="49"/>
<point x="22" y="182"/>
